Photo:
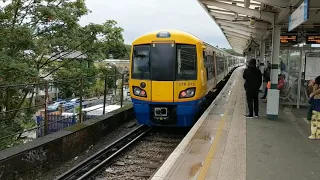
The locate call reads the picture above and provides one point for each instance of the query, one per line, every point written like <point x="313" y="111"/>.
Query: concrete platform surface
<point x="281" y="150"/>
<point x="224" y="145"/>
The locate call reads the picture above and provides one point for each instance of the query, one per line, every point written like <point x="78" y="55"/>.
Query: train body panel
<point x="171" y="74"/>
<point x="180" y="114"/>
<point x="137" y="83"/>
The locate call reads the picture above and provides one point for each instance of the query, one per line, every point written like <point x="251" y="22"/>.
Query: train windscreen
<point x="164" y="62"/>
<point x="141" y="62"/>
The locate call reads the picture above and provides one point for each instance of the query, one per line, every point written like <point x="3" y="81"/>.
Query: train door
<point x="215" y="67"/>
<point x="162" y="68"/>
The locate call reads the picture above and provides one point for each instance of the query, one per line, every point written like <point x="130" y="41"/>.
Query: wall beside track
<point x="28" y="160"/>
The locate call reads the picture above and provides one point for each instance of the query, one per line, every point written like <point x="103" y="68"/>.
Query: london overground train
<point x="172" y="74"/>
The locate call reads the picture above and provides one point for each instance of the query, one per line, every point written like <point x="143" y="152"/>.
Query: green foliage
<point x="97" y="89"/>
<point x="77" y="109"/>
<point x="68" y="78"/>
<point x="34" y="34"/>
<point x="108" y="40"/>
<point x="109" y="73"/>
<point x="128" y="50"/>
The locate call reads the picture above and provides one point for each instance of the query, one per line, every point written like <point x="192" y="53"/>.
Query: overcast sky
<point x="137" y="17"/>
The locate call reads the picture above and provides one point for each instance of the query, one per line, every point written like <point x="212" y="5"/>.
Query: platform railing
<point x="33" y="110"/>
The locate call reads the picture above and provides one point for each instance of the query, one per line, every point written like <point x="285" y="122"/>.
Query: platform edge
<point x="168" y="165"/>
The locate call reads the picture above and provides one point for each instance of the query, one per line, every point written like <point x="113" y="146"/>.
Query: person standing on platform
<point x="281" y="83"/>
<point x="315" y="107"/>
<point x="311" y="85"/>
<point x="253" y="81"/>
<point x="282" y="68"/>
<point x="266" y="79"/>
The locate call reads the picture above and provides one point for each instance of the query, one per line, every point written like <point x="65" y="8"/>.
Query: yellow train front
<point x="168" y="80"/>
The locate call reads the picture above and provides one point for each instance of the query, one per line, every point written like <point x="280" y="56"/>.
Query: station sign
<point x="288" y="39"/>
<point x="299" y="16"/>
<point x="313" y="39"/>
<point x="163" y="34"/>
<point x="312" y="65"/>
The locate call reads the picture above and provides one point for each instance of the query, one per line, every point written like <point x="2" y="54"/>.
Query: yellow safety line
<point x="209" y="157"/>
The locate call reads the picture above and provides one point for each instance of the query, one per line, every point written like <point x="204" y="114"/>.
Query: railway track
<point x="128" y="159"/>
<point x="140" y="161"/>
<point x="93" y="165"/>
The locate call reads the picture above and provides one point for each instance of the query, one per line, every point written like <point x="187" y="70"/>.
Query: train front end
<point x="165" y="84"/>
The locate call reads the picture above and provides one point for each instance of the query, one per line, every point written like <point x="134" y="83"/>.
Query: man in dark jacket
<point x="253" y="80"/>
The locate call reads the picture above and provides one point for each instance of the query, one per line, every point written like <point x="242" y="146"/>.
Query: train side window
<point x="220" y="65"/>
<point x="205" y="62"/>
<point x="210" y="63"/>
<point x="186" y="62"/>
<point x="222" y="61"/>
<point x="214" y="64"/>
<point x="140" y="62"/>
<point x="204" y="57"/>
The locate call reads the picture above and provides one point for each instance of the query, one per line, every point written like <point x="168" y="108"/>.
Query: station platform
<point x="224" y="145"/>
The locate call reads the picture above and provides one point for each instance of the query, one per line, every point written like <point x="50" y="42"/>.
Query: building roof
<point x="245" y="21"/>
<point x="67" y="55"/>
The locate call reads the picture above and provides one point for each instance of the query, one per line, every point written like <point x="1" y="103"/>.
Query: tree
<point x="128" y="50"/>
<point x="106" y="71"/>
<point x="109" y="40"/>
<point x="97" y="89"/>
<point x="33" y="29"/>
<point x="68" y="78"/>
<point x="118" y="50"/>
<point x="34" y="34"/>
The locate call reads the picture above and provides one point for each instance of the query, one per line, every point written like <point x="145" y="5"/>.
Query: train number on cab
<point x="186" y="84"/>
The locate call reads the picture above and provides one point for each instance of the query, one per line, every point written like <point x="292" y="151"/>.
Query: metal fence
<point x="33" y="110"/>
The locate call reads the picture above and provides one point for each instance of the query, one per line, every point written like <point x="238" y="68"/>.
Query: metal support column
<point x="46" y="121"/>
<point x="273" y="93"/>
<point x="299" y="79"/>
<point x="105" y="94"/>
<point x="255" y="53"/>
<point x="288" y="66"/>
<point x="262" y="51"/>
<point x="81" y="99"/>
<point x="262" y="61"/>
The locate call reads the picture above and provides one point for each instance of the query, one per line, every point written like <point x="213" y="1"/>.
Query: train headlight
<point x="187" y="93"/>
<point x="139" y="92"/>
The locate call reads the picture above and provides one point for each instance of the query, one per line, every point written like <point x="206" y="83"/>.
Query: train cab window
<point x="186" y="62"/>
<point x="140" y="62"/>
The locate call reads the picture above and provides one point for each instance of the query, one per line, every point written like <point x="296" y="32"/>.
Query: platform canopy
<point x="244" y="22"/>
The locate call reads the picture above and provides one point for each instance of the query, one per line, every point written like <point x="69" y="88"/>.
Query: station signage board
<point x="312" y="65"/>
<point x="299" y="16"/>
<point x="313" y="39"/>
<point x="288" y="39"/>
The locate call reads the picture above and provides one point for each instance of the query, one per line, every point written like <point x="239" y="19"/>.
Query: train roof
<point x="179" y="33"/>
<point x="172" y="32"/>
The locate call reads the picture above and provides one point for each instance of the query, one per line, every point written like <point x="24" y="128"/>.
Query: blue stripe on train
<point x="186" y="111"/>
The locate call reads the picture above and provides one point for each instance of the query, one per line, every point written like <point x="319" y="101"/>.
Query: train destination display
<point x="313" y="39"/>
<point x="288" y="39"/>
